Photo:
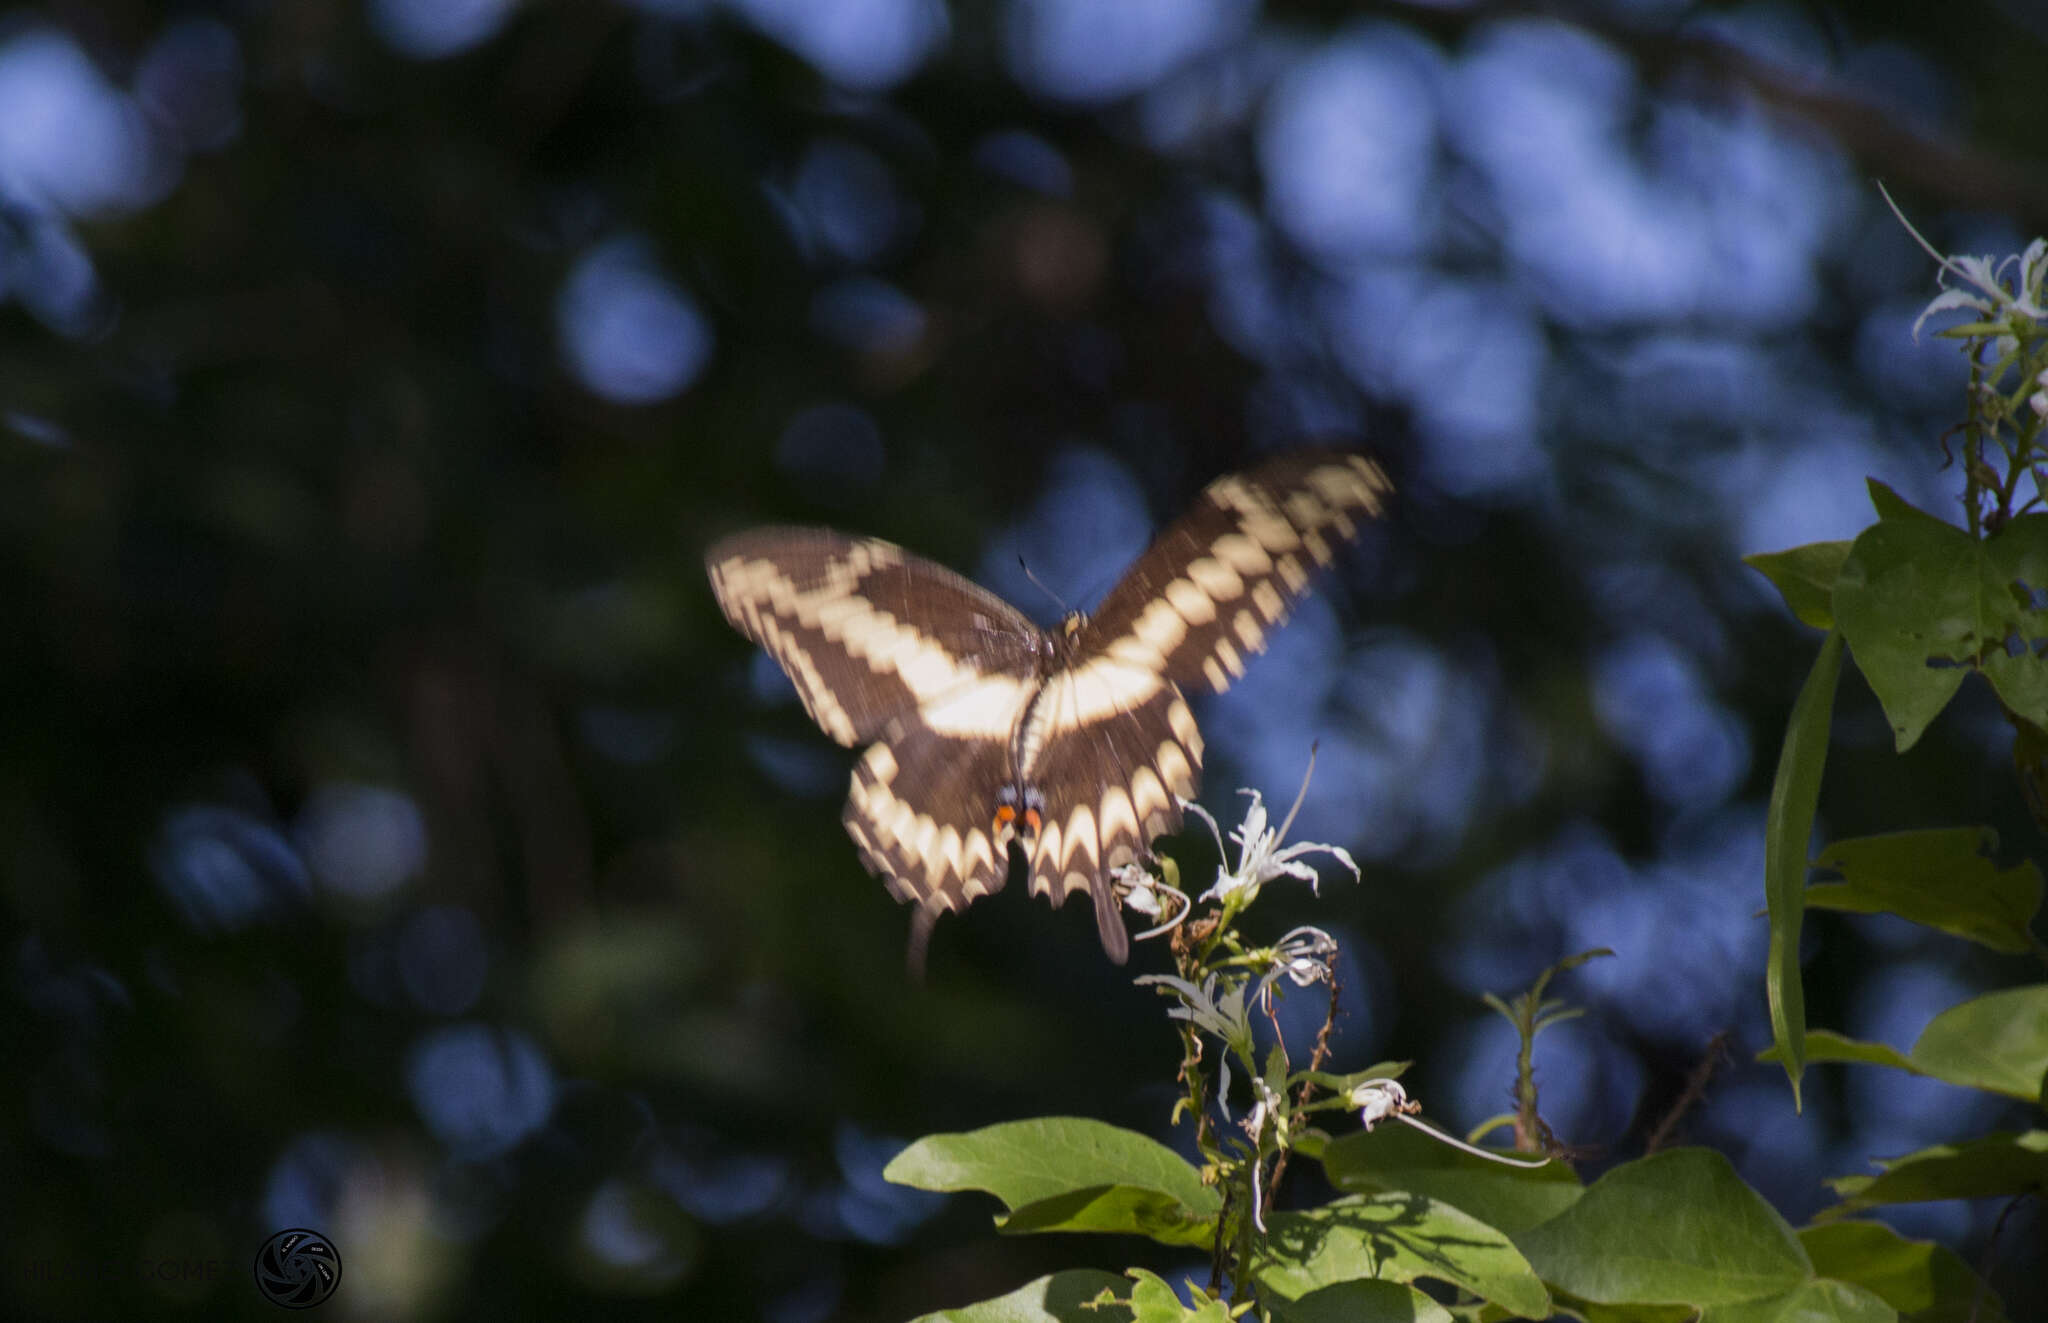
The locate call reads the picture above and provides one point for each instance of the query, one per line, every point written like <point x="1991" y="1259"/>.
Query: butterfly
<point x="984" y="731"/>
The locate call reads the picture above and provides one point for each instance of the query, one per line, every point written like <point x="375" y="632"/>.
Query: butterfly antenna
<point x="1301" y="794"/>
<point x="1038" y="583"/>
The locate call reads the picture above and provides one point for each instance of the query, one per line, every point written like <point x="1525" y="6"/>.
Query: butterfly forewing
<point x="870" y="634"/>
<point x="1207" y="594"/>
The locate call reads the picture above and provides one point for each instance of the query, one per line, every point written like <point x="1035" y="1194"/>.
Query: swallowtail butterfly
<point x="983" y="730"/>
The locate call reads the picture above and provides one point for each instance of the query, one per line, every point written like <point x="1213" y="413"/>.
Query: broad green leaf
<point x="1596" y="1313"/>
<point x="1907" y="599"/>
<point x="1788" y="827"/>
<point x="1153" y="1301"/>
<point x="2016" y="615"/>
<point x="1943" y="879"/>
<point x="1890" y="505"/>
<point x="1805" y="578"/>
<point x="1396" y="1157"/>
<point x="1115" y="1208"/>
<point x="1920" y="601"/>
<point x="1997" y="1042"/>
<point x="1994" y="1165"/>
<point x="1028" y="1162"/>
<point x="1818" y="1301"/>
<point x="1062" y="1297"/>
<point x="1678" y="1228"/>
<point x="1919" y="1278"/>
<point x="1359" y="1302"/>
<point x="1396" y="1238"/>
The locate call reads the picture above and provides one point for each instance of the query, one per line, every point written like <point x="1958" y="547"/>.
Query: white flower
<point x="2038" y="401"/>
<point x="1260" y="857"/>
<point x="1983" y="291"/>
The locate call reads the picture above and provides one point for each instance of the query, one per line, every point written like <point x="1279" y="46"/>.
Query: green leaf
<point x="1678" y="1228"/>
<point x="1997" y="1042"/>
<point x="1890" y="505"/>
<point x="1919" y="1278"/>
<point x="1920" y="601"/>
<point x="1805" y="578"/>
<point x="1991" y="1166"/>
<point x="1827" y="1045"/>
<point x="1907" y="601"/>
<point x="1397" y="1157"/>
<point x="1115" y="1208"/>
<point x="1943" y="879"/>
<point x="1153" y="1301"/>
<point x="1396" y="1238"/>
<point x="1359" y="1302"/>
<point x="1818" y="1301"/>
<point x="2016" y="615"/>
<point x="1062" y="1297"/>
<point x="1069" y="1174"/>
<point x="1788" y="827"/>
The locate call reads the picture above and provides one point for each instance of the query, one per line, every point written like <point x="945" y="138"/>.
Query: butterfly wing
<point x="1111" y="743"/>
<point x="1225" y="574"/>
<point x="937" y="672"/>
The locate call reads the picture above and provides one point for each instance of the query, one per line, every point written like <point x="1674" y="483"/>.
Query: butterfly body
<point x="985" y="732"/>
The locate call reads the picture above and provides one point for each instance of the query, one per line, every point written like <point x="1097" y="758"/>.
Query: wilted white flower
<point x="1376" y="1100"/>
<point x="2038" y="401"/>
<point x="1303" y="957"/>
<point x="1145" y="894"/>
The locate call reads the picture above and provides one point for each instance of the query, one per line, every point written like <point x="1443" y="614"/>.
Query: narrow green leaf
<point x="1827" y="1045"/>
<point x="1994" y="1165"/>
<point x="1788" y="827"/>
<point x="1063" y="1297"/>
<point x="1908" y="600"/>
<point x="1944" y="878"/>
<point x="1678" y="1228"/>
<point x="1997" y="1042"/>
<point x="1805" y="578"/>
<point x="1398" y="1158"/>
<point x="1024" y="1162"/>
<point x="1396" y="1238"/>
<point x="1919" y="1278"/>
<point x="1359" y="1302"/>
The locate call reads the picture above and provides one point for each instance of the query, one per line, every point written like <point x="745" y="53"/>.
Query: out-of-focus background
<point x="397" y="842"/>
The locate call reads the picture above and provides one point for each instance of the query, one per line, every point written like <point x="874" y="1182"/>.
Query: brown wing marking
<point x="919" y="811"/>
<point x="837" y="614"/>
<point x="1113" y="755"/>
<point x="1223" y="576"/>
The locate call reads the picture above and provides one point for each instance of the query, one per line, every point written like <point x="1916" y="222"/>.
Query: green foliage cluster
<point x="1920" y="604"/>
<point x="1673" y="1234"/>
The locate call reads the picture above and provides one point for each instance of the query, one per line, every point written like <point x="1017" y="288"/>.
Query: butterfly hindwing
<point x="1216" y="583"/>
<point x="1118" y="745"/>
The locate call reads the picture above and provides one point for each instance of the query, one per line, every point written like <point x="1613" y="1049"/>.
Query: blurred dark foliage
<point x="398" y="843"/>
